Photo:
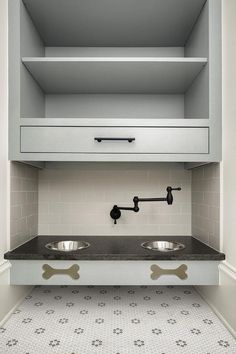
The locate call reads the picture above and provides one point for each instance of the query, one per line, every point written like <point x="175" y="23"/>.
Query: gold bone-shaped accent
<point x="49" y="271"/>
<point x="180" y="272"/>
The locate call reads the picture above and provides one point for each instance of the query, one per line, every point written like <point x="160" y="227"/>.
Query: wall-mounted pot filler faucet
<point x="116" y="210"/>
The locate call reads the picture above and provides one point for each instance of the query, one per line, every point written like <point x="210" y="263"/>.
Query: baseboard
<point x="218" y="314"/>
<point x="4" y="266"/>
<point x="6" y="317"/>
<point x="229" y="270"/>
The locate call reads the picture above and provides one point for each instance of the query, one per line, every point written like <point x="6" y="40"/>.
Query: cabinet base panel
<point x="35" y="272"/>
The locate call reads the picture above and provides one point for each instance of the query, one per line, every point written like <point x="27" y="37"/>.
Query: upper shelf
<point x="114" y="22"/>
<point x="114" y="75"/>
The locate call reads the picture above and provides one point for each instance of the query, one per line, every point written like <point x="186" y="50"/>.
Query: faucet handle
<point x="169" y="197"/>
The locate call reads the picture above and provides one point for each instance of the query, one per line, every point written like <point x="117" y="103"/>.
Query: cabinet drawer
<point x="115" y="140"/>
<point x="37" y="272"/>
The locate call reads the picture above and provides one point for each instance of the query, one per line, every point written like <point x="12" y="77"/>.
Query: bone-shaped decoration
<point x="180" y="272"/>
<point x="49" y="271"/>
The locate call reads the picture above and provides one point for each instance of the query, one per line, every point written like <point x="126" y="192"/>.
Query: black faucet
<point x="116" y="210"/>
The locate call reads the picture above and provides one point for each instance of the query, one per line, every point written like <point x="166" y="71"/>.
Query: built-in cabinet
<point x="37" y="272"/>
<point x="115" y="80"/>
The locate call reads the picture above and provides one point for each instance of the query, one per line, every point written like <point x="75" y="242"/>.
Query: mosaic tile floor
<point x="114" y="320"/>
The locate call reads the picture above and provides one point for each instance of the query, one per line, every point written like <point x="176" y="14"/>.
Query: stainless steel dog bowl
<point x="67" y="246"/>
<point x="163" y="246"/>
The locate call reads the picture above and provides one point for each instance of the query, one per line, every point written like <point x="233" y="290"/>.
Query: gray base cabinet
<point x="146" y="82"/>
<point x="35" y="272"/>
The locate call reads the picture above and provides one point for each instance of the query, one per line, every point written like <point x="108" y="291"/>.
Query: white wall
<point x="9" y="295"/>
<point x="222" y="298"/>
<point x="3" y="128"/>
<point x="78" y="200"/>
<point x="229" y="129"/>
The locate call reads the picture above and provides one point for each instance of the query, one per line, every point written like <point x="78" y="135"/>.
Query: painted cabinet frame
<point x="27" y="111"/>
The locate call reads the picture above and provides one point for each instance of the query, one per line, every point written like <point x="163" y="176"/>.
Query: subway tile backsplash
<point x="23" y="202"/>
<point x="77" y="200"/>
<point x="206" y="204"/>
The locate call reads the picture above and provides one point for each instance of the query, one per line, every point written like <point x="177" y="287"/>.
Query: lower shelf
<point x="35" y="272"/>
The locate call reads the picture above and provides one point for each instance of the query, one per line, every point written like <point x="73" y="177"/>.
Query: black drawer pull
<point x="99" y="140"/>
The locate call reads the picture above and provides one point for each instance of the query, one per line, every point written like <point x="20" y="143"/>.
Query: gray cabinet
<point x="32" y="272"/>
<point x="81" y="70"/>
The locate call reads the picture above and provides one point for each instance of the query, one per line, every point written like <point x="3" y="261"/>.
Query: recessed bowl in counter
<point x="163" y="246"/>
<point x="67" y="246"/>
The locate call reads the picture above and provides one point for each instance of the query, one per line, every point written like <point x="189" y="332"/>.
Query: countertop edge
<point x="30" y="251"/>
<point x="191" y="257"/>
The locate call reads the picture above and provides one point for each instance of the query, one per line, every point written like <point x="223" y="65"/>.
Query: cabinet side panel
<point x="215" y="77"/>
<point x="31" y="42"/>
<point x="196" y="104"/>
<point x="31" y="95"/>
<point x="14" y="79"/>
<point x="197" y="96"/>
<point x="197" y="44"/>
<point x="205" y="95"/>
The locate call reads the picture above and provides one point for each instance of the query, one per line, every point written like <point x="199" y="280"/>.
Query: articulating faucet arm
<point x="116" y="210"/>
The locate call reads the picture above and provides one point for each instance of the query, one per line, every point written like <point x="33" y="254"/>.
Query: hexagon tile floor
<point x="115" y="320"/>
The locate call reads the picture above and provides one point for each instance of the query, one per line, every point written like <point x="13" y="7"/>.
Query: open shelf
<point x="114" y="75"/>
<point x="115" y="68"/>
<point x="114" y="23"/>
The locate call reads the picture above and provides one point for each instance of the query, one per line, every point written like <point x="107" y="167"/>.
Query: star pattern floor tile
<point x="114" y="320"/>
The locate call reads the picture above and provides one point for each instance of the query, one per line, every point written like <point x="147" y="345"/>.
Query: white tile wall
<point x="24" y="203"/>
<point x="78" y="199"/>
<point x="206" y="204"/>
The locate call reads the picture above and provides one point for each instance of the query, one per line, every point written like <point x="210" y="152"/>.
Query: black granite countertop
<point x="114" y="248"/>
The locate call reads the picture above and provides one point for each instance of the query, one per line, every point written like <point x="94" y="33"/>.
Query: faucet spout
<point x="116" y="210"/>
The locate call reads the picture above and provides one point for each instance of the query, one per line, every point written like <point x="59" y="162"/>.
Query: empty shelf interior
<point x="114" y="23"/>
<point x="114" y="75"/>
<point x="112" y="59"/>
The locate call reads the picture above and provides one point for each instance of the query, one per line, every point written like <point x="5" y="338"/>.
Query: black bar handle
<point x="99" y="139"/>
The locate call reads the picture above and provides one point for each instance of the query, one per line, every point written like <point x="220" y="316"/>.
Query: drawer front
<point x="27" y="272"/>
<point x="115" y="140"/>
